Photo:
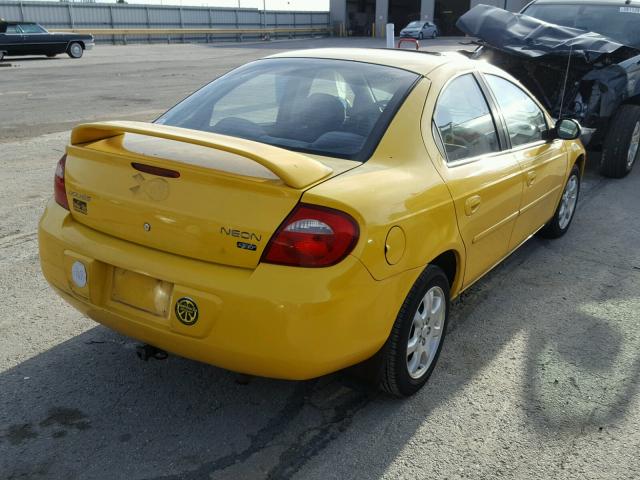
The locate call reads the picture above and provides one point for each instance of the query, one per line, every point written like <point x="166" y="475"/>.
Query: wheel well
<point x="448" y="262"/>
<point x="580" y="161"/>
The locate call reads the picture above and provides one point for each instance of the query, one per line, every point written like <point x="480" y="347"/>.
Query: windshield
<point x="415" y="25"/>
<point x="328" y="107"/>
<point x="619" y="22"/>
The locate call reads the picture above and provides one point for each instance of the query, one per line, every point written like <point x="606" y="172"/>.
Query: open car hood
<point x="574" y="73"/>
<point x="529" y="37"/>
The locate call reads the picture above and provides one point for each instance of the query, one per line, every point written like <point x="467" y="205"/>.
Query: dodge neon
<point x="309" y="211"/>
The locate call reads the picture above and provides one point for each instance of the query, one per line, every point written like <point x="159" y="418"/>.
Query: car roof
<point x="415" y="61"/>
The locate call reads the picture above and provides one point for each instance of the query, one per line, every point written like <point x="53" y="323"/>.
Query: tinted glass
<point x="329" y="107"/>
<point x="12" y="29"/>
<point x="464" y="120"/>
<point x="617" y="21"/>
<point x="415" y="25"/>
<point x="525" y="120"/>
<point x="31" y="28"/>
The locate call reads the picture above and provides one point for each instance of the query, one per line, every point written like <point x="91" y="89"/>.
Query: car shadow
<point x="30" y="59"/>
<point x="88" y="408"/>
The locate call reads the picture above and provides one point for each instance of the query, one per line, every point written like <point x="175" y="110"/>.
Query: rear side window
<point x="328" y="107"/>
<point x="12" y="29"/>
<point x="525" y="120"/>
<point x="464" y="121"/>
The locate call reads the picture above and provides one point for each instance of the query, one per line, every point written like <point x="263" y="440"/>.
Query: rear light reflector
<point x="312" y="236"/>
<point x="59" y="189"/>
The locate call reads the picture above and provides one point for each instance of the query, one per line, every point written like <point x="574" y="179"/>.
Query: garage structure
<point x="368" y="17"/>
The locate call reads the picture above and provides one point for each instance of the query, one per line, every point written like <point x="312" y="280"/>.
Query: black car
<point x="581" y="59"/>
<point x="25" y="38"/>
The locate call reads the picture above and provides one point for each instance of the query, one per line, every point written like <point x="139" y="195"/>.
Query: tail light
<point x="312" y="236"/>
<point x="59" y="190"/>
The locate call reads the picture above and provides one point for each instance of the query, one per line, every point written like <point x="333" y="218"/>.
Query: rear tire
<point x="434" y="35"/>
<point x="413" y="347"/>
<point x="420" y="36"/>
<point x="563" y="216"/>
<point x="621" y="144"/>
<point x="1" y="56"/>
<point x="75" y="50"/>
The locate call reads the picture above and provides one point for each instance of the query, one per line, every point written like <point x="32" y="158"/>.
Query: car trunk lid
<point x="196" y="194"/>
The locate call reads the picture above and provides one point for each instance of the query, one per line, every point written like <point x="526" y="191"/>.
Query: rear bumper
<point x="273" y="321"/>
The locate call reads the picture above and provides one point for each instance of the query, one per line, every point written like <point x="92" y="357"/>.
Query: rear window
<point x="620" y="22"/>
<point x="335" y="108"/>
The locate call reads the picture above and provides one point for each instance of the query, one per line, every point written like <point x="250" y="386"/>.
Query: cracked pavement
<point x="538" y="377"/>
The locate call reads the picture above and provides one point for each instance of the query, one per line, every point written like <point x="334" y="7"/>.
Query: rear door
<point x="485" y="183"/>
<point x="544" y="164"/>
<point x="11" y="41"/>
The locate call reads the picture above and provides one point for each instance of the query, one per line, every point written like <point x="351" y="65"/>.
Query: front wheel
<point x="620" y="148"/>
<point x="412" y="349"/>
<point x="561" y="220"/>
<point x="75" y="50"/>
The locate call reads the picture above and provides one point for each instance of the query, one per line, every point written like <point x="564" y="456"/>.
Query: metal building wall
<point x="111" y="15"/>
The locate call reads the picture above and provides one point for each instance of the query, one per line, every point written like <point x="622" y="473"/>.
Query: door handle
<point x="531" y="177"/>
<point x="472" y="204"/>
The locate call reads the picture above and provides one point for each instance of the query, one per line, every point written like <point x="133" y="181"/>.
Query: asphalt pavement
<point x="538" y="377"/>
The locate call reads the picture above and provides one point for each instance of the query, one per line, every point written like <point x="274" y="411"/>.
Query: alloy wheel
<point x="426" y="332"/>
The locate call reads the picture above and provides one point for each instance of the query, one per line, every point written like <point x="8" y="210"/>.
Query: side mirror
<point x="567" y="129"/>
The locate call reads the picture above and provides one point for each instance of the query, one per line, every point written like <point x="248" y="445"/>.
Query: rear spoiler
<point x="295" y="169"/>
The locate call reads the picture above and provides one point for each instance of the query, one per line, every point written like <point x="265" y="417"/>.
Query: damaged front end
<point x="574" y="73"/>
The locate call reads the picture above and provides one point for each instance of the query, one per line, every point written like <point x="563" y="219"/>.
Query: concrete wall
<point x="54" y="15"/>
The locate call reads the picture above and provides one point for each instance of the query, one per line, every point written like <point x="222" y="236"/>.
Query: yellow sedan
<point x="309" y="211"/>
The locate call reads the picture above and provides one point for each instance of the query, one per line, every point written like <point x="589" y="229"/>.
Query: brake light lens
<point x="312" y="236"/>
<point x="59" y="190"/>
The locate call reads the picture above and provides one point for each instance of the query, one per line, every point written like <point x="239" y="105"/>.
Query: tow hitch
<point x="145" y="352"/>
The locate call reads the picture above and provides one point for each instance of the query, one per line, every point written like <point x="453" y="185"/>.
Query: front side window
<point x="328" y="107"/>
<point x="525" y="120"/>
<point x="464" y="121"/>
<point x="31" y="28"/>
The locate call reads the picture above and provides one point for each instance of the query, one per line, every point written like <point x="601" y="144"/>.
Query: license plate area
<point x="141" y="292"/>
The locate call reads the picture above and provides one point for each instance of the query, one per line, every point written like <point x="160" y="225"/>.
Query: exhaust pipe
<point x="145" y="352"/>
